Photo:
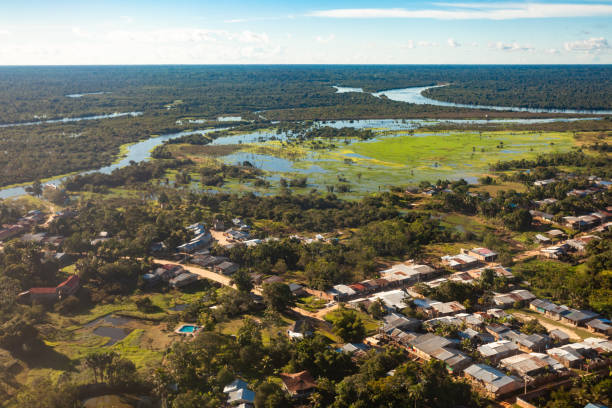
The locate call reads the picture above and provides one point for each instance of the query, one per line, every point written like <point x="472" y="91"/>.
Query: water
<point x="109" y="319"/>
<point x="345" y="89"/>
<point x="80" y="95"/>
<point x="270" y="163"/>
<point x="188" y="328"/>
<point x="414" y="95"/>
<point x="137" y="152"/>
<point x="115" y="333"/>
<point x="141" y="151"/>
<point x="229" y="118"/>
<point x="69" y="120"/>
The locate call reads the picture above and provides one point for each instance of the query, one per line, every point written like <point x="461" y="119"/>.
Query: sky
<point x="92" y="32"/>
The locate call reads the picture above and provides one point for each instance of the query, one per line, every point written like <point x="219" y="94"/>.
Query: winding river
<point x="141" y="151"/>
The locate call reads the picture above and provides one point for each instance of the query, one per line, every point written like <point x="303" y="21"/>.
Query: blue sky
<point x="295" y="32"/>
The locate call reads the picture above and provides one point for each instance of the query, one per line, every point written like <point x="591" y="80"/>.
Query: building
<point x="493" y="383"/>
<point x="298" y="385"/>
<point x="300" y="329"/>
<point x="566" y="355"/>
<point x="600" y="325"/>
<point x="548" y="309"/>
<point x="184" y="279"/>
<point x="556" y="234"/>
<point x="505" y="300"/>
<point x="499" y="271"/>
<point x="483" y="254"/>
<point x="239" y="394"/>
<point x="226" y="268"/>
<point x="51" y="294"/>
<point x="578" y="317"/>
<point x="429" y="346"/>
<point x="559" y="337"/>
<point x="544" y="240"/>
<point x="393" y="299"/>
<point x="394" y="321"/>
<point x="541" y="216"/>
<point x="460" y="261"/>
<point x="525" y="365"/>
<point x="447" y="308"/>
<point x="498" y="350"/>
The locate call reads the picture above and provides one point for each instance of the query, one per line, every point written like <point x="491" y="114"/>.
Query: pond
<point x="114" y="333"/>
<point x="68" y="120"/>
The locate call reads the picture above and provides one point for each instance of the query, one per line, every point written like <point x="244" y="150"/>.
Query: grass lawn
<point x="311" y="303"/>
<point x="370" y="324"/>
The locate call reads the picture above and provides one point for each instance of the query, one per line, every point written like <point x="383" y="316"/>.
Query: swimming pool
<point x="187" y="329"/>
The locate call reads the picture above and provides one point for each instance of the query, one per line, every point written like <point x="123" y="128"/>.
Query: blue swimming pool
<point x="187" y="328"/>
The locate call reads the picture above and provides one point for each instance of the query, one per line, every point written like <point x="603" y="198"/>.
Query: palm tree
<point x="416" y="392"/>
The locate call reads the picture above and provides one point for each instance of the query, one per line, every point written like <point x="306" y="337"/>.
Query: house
<point x="429" y="346"/>
<point x="492" y="382"/>
<point x="505" y="300"/>
<point x="600" y="326"/>
<point x="202" y="239"/>
<point x="297" y="289"/>
<point x="559" y="337"/>
<point x="460" y="261"/>
<point x="354" y="349"/>
<point x="408" y="273"/>
<point x="566" y="355"/>
<point x="554" y="252"/>
<point x="543" y="239"/>
<point x="272" y="279"/>
<point x="532" y="342"/>
<point x="475" y="336"/>
<point x="300" y="329"/>
<point x="499" y="271"/>
<point x="11" y="231"/>
<point x="498" y="350"/>
<point x="483" y="254"/>
<point x="226" y="268"/>
<point x="341" y="292"/>
<point x="525" y="365"/>
<point x="298" y="385"/>
<point x="541" y="216"/>
<point x="556" y="234"/>
<point x="239" y="394"/>
<point x="447" y="309"/>
<point x="496" y="330"/>
<point x="542" y="183"/>
<point x="578" y="317"/>
<point x="549" y="309"/>
<point x="393" y="299"/>
<point x="184" y="279"/>
<point x="68" y="287"/>
<point x="208" y="261"/>
<point x="462" y="277"/>
<point x="394" y="321"/>
<point x="545" y="202"/>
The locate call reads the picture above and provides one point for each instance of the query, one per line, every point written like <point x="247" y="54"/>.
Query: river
<point x="141" y="151"/>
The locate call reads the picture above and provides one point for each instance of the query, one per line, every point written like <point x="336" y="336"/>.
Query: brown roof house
<point x="298" y="384"/>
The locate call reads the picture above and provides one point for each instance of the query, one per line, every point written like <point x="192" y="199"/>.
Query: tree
<point x="518" y="220"/>
<point x="377" y="309"/>
<point x="270" y="395"/>
<point x="278" y="296"/>
<point x="242" y="280"/>
<point x="35" y="189"/>
<point x="349" y="326"/>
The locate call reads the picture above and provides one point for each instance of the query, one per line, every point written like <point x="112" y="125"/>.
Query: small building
<point x="559" y="337"/>
<point x="394" y="321"/>
<point x="460" y="262"/>
<point x="544" y="240"/>
<point x="556" y="234"/>
<point x="525" y="365"/>
<point x="226" y="268"/>
<point x="566" y="355"/>
<point x="493" y="383"/>
<point x="184" y="279"/>
<point x="393" y="299"/>
<point x="600" y="325"/>
<point x="297" y="289"/>
<point x="578" y="317"/>
<point x="68" y="287"/>
<point x="447" y="308"/>
<point x="541" y="216"/>
<point x="483" y="254"/>
<point x="300" y="329"/>
<point x="498" y="350"/>
<point x="298" y="385"/>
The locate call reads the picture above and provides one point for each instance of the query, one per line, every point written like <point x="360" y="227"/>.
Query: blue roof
<point x="591" y="405"/>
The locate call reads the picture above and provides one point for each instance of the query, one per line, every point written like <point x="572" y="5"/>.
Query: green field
<point x="394" y="158"/>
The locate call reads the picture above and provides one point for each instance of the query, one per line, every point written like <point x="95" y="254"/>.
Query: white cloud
<point x="475" y="44"/>
<point x="427" y="44"/>
<point x="325" y="39"/>
<point x="552" y="51"/>
<point x="592" y="45"/>
<point x="409" y="44"/>
<point x="452" y="43"/>
<point x="510" y="46"/>
<point x="77" y="31"/>
<point x="235" y="20"/>
<point x="476" y="11"/>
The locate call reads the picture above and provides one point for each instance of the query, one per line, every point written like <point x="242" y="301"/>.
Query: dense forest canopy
<point x="212" y="90"/>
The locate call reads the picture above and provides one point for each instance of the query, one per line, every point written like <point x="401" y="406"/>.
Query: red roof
<point x="42" y="291"/>
<point x="297" y="382"/>
<point x="358" y="287"/>
<point x="71" y="282"/>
